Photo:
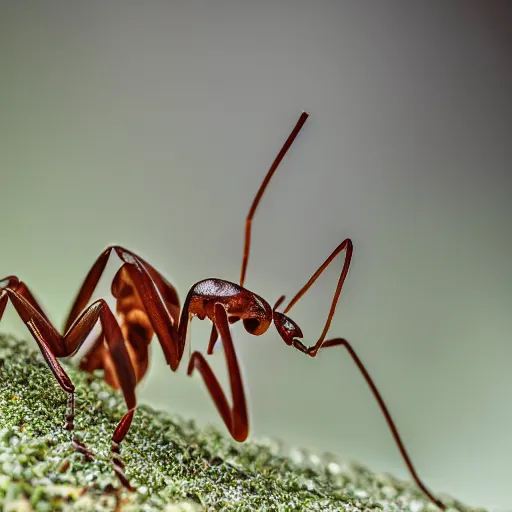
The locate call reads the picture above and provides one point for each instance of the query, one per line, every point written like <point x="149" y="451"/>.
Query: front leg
<point x="236" y="417"/>
<point x="336" y="342"/>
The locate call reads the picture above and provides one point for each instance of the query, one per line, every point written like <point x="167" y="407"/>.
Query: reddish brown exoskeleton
<point x="148" y="305"/>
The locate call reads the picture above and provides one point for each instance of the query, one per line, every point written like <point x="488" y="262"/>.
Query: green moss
<point x="173" y="464"/>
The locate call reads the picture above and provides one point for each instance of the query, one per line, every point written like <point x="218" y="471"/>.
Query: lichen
<point x="173" y="464"/>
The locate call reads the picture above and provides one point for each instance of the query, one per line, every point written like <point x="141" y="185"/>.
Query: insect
<point x="148" y="305"/>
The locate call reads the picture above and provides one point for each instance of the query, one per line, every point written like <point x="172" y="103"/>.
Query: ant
<point x="148" y="304"/>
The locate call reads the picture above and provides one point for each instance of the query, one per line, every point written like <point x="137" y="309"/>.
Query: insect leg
<point x="122" y="369"/>
<point x="391" y="424"/>
<point x="235" y="418"/>
<point x="159" y="297"/>
<point x="50" y="344"/>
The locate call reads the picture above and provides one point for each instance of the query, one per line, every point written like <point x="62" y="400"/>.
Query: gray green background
<point x="152" y="124"/>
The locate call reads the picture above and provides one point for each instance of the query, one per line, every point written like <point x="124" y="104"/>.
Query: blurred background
<point x="152" y="125"/>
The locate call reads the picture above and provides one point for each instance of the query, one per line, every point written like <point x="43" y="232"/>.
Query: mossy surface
<point x="173" y="464"/>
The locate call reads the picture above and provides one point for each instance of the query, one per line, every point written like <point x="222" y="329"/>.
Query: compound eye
<point x="286" y="327"/>
<point x="251" y="325"/>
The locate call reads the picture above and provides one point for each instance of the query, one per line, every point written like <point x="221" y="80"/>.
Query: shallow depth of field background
<point x="152" y="125"/>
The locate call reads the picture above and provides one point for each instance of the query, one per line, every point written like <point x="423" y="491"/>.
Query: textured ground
<point x="174" y="465"/>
